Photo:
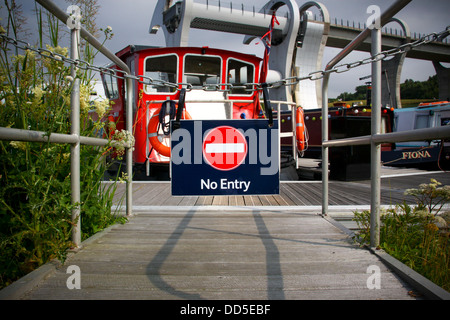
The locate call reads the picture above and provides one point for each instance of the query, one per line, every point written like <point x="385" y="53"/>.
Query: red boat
<point x="218" y="84"/>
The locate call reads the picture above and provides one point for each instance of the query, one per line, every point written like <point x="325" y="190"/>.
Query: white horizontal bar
<point x="224" y="148"/>
<point x="286" y="134"/>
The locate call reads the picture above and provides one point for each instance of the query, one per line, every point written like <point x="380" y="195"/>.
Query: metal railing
<point x="376" y="138"/>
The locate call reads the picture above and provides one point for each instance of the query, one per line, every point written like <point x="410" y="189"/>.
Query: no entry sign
<point x="224" y="148"/>
<point x="225" y="157"/>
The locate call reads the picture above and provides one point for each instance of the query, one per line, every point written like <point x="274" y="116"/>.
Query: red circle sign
<point x="224" y="148"/>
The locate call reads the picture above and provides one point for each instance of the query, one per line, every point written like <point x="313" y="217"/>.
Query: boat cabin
<point x="219" y="85"/>
<point x="420" y="153"/>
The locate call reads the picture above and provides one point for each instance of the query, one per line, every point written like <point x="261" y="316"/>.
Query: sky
<point x="130" y="22"/>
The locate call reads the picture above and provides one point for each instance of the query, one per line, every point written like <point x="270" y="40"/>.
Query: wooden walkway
<point x="195" y="255"/>
<point x="255" y="248"/>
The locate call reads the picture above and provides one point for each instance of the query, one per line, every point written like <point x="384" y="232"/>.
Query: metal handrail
<point x="14" y="134"/>
<point x="392" y="137"/>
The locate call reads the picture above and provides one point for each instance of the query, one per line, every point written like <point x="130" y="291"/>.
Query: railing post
<point x="375" y="149"/>
<point x="129" y="154"/>
<point x="325" y="150"/>
<point x="75" y="147"/>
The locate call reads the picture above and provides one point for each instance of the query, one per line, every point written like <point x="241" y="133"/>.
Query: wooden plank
<point x="188" y="201"/>
<point x="204" y="201"/>
<point x="154" y="193"/>
<point x="257" y="201"/>
<point x="158" y="194"/>
<point x="285" y="196"/>
<point x="220" y="201"/>
<point x="239" y="201"/>
<point x="271" y="200"/>
<point x="266" y="200"/>
<point x="311" y="192"/>
<point x="296" y="196"/>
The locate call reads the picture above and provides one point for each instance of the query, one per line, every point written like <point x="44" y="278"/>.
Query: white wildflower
<point x="439" y="222"/>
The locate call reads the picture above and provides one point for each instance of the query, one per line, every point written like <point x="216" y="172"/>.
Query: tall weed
<point x="35" y="188"/>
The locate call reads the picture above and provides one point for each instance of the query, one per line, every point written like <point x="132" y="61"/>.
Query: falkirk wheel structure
<point x="298" y="43"/>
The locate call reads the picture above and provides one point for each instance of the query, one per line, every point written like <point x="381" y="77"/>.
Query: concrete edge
<point x="18" y="289"/>
<point x="300" y="209"/>
<point x="339" y="225"/>
<point x="416" y="280"/>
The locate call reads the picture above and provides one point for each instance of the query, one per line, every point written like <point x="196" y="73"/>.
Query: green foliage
<point x="413" y="235"/>
<point x="359" y="94"/>
<point x="35" y="187"/>
<point x="410" y="89"/>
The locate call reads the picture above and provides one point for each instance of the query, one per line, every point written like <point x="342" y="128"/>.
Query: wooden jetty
<point x="230" y="248"/>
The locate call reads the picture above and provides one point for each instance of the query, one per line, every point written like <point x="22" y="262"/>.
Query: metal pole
<point x="325" y="150"/>
<point x="75" y="147"/>
<point x="129" y="157"/>
<point x="375" y="149"/>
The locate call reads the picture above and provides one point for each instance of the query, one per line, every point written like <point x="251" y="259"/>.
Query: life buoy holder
<point x="153" y="136"/>
<point x="300" y="130"/>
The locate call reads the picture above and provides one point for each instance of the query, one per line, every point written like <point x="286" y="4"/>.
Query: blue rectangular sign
<point x="225" y="157"/>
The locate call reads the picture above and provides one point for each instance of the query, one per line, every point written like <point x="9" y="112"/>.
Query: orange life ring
<point x="300" y="129"/>
<point x="153" y="134"/>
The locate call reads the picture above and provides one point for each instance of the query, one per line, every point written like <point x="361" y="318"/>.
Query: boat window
<point x="240" y="73"/>
<point x="162" y="68"/>
<point x="445" y="121"/>
<point x="202" y="70"/>
<point x="110" y="85"/>
<point x="421" y="121"/>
